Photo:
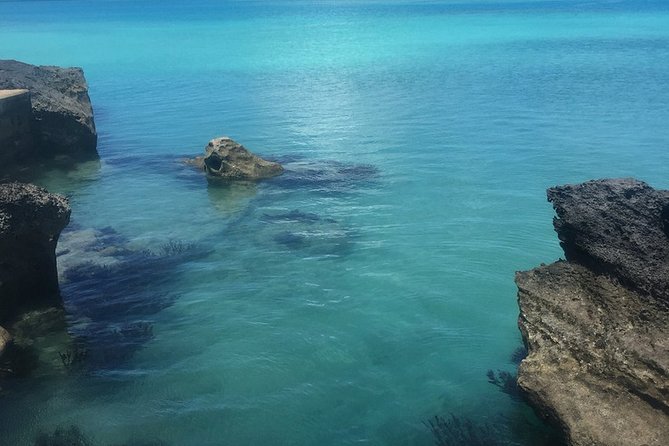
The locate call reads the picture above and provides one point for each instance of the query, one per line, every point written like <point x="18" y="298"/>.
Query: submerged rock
<point x="307" y="233"/>
<point x="226" y="159"/>
<point x="63" y="124"/>
<point x="31" y="220"/>
<point x="112" y="292"/>
<point x="325" y="176"/>
<point x="597" y="325"/>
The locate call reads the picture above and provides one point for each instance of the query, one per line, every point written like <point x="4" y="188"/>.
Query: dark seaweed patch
<point x="111" y="305"/>
<point x="518" y="355"/>
<point x="294" y="216"/>
<point x="290" y="239"/>
<point x="461" y="431"/>
<point x="507" y="382"/>
<point x="325" y="176"/>
<point x="73" y="436"/>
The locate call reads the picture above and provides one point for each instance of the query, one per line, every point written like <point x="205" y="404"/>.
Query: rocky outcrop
<point x="30" y="222"/>
<point x="597" y="325"/>
<point x="226" y="159"/>
<point x="63" y="124"/>
<point x="16" y="126"/>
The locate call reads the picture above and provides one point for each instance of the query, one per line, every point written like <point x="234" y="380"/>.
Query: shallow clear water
<point x="419" y="140"/>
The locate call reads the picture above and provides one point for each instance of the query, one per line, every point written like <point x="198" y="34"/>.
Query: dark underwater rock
<point x="112" y="292"/>
<point x="597" y="326"/>
<point x="306" y="232"/>
<point x="225" y="159"/>
<point x="31" y="220"/>
<point x="63" y="124"/>
<point x="324" y="176"/>
<point x="70" y="436"/>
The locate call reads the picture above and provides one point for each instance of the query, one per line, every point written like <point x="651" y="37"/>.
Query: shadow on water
<point x="111" y="294"/>
<point x="519" y="426"/>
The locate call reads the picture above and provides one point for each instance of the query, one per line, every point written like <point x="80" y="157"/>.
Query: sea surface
<point x="370" y="287"/>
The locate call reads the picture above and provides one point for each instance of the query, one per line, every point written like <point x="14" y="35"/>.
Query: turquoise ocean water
<point x="371" y="287"/>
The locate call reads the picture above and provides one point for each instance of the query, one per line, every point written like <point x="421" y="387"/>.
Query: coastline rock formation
<point x="16" y="124"/>
<point x="597" y="325"/>
<point x="62" y="122"/>
<point x="31" y="316"/>
<point x="30" y="222"/>
<point x="226" y="159"/>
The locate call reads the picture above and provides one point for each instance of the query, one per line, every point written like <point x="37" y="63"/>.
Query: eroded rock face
<point x="16" y="126"/>
<point x="618" y="227"/>
<point x="597" y="326"/>
<point x="63" y="115"/>
<point x="226" y="159"/>
<point x="30" y="222"/>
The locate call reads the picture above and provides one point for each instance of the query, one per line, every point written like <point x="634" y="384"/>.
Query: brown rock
<point x="226" y="159"/>
<point x="597" y="326"/>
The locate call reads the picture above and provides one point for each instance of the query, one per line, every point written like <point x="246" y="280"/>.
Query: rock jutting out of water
<point x="31" y="220"/>
<point x="61" y="128"/>
<point x="597" y="325"/>
<point x="227" y="160"/>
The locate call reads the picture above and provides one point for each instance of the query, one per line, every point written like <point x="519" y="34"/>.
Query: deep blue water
<point x="419" y="139"/>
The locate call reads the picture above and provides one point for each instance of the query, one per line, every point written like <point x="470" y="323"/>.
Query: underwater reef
<point x="112" y="293"/>
<point x="596" y="325"/>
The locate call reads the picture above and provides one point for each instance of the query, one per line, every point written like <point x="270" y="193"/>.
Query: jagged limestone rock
<point x="597" y="325"/>
<point x="228" y="160"/>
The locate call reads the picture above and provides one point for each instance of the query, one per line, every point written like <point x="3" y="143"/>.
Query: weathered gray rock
<point x="30" y="222"/>
<point x="16" y="126"/>
<point x="63" y="117"/>
<point x="597" y="326"/>
<point x="226" y="159"/>
<point x="617" y="227"/>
